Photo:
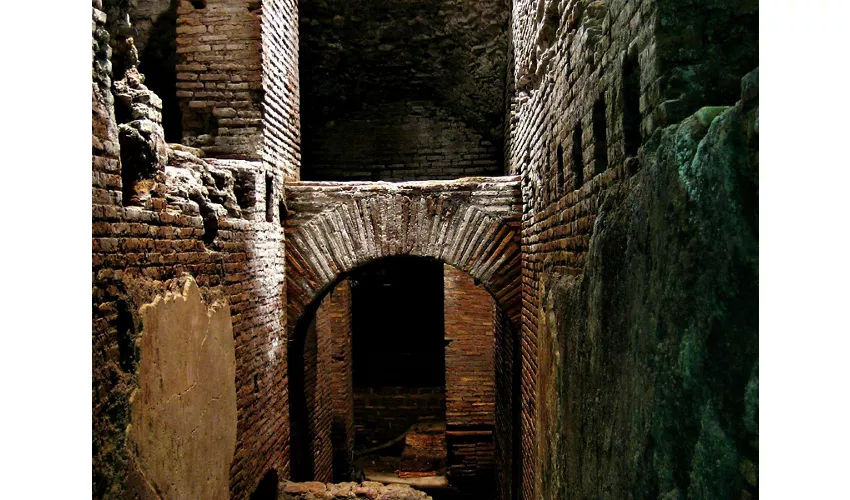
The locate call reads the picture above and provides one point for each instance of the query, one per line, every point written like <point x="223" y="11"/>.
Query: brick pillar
<point x="219" y="78"/>
<point x="470" y="379"/>
<point x="341" y="380"/>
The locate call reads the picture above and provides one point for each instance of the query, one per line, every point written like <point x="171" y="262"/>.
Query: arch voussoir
<point x="452" y="221"/>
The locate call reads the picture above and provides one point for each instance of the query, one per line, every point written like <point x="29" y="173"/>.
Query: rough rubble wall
<point x="470" y="380"/>
<point x="192" y="222"/>
<point x="336" y="227"/>
<point x="363" y="491"/>
<point x="341" y="379"/>
<point x="655" y="347"/>
<point x="593" y="80"/>
<point x="281" y="113"/>
<point x="183" y="431"/>
<point x="154" y="29"/>
<point x="423" y="81"/>
<point x="219" y="79"/>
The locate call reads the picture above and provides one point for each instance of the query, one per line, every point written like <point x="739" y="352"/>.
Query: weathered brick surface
<point x="572" y="63"/>
<point x="337" y="227"/>
<point x="505" y="411"/>
<point x="402" y="90"/>
<point x="341" y="379"/>
<point x="384" y="413"/>
<point x="413" y="140"/>
<point x="365" y="490"/>
<point x="219" y="80"/>
<point x="470" y="378"/>
<point x="317" y="388"/>
<point x="281" y="117"/>
<point x="135" y="250"/>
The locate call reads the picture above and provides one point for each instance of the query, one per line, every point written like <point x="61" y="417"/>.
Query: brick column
<point x="470" y="378"/>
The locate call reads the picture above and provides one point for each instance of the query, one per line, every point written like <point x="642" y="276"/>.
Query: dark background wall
<point x="402" y="90"/>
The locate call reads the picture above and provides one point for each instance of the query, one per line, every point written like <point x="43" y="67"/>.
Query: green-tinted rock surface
<point x="655" y="346"/>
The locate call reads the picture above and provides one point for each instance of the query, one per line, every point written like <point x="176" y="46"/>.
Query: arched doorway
<point x="423" y="341"/>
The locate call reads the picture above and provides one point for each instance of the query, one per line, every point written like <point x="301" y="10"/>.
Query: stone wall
<point x="219" y="79"/>
<point x="653" y="385"/>
<point x="402" y="90"/>
<point x="592" y="82"/>
<point x="192" y="219"/>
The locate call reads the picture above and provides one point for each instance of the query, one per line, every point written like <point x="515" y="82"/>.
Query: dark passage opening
<point x="267" y="489"/>
<point x="578" y="158"/>
<point x="269" y="198"/>
<point x="600" y="137"/>
<point x="560" y="159"/>
<point x="397" y="324"/>
<point x="631" y="104"/>
<point x="158" y="62"/>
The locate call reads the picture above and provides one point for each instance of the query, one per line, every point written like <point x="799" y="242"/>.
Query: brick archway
<point x="336" y="227"/>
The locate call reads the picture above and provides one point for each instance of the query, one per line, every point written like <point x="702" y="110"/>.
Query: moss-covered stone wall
<point x="651" y="355"/>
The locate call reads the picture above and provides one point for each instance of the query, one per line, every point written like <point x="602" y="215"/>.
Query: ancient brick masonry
<point x="281" y="117"/>
<point x="400" y="91"/>
<point x="336" y="227"/>
<point x="342" y="382"/>
<point x="328" y="385"/>
<point x="194" y="222"/>
<point x="470" y="375"/>
<point x="592" y="81"/>
<point x="219" y="82"/>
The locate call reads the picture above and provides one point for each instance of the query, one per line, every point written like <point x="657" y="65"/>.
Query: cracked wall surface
<point x="183" y="414"/>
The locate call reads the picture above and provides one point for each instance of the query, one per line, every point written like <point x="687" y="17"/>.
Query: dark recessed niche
<point x="397" y="324"/>
<point x="269" y="198"/>
<point x="267" y="487"/>
<point x="199" y="4"/>
<point x="577" y="158"/>
<point x="560" y="160"/>
<point x="600" y="137"/>
<point x="631" y="104"/>
<point x="243" y="189"/>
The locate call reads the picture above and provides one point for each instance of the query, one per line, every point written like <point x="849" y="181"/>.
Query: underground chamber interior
<point x="392" y="380"/>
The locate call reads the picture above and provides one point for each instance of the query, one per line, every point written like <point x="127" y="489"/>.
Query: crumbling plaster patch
<point x="183" y="429"/>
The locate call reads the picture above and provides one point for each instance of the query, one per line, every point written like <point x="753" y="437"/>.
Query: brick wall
<point x="136" y="249"/>
<point x="470" y="378"/>
<point x="592" y="82"/>
<point x="402" y="90"/>
<point x="341" y="382"/>
<point x="219" y="82"/>
<point x="399" y="141"/>
<point x="381" y="414"/>
<point x="469" y="223"/>
<point x="318" y="392"/>
<point x="504" y="415"/>
<point x="281" y="114"/>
